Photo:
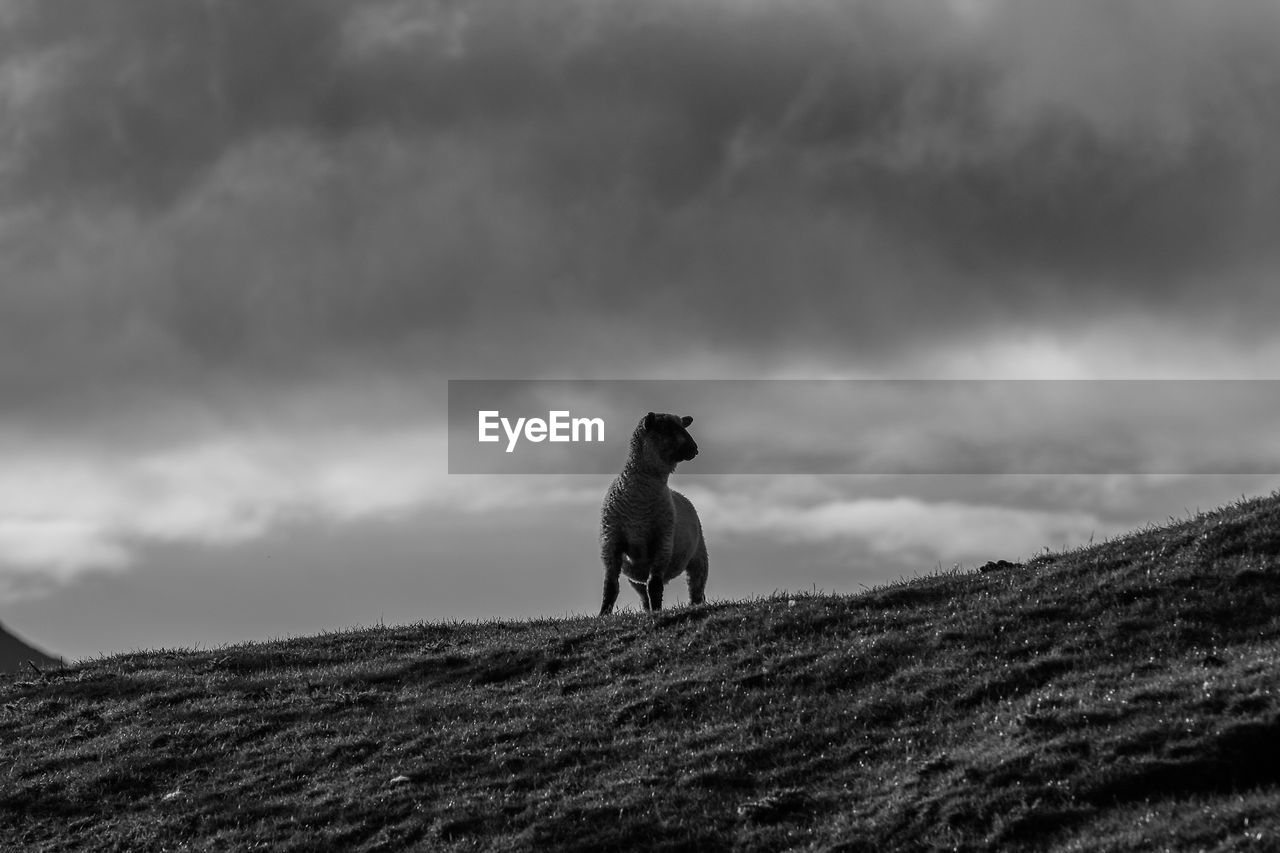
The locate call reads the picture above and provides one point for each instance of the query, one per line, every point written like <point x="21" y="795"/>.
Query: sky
<point x="244" y="246"/>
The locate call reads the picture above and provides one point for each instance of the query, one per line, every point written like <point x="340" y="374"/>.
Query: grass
<point x="1118" y="697"/>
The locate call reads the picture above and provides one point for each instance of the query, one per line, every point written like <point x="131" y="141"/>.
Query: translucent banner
<point x="880" y="427"/>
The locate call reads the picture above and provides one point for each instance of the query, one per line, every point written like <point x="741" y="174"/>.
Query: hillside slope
<point x="1121" y="695"/>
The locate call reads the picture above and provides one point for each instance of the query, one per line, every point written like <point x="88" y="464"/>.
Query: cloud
<point x="231" y="230"/>
<point x="67" y="510"/>
<point x="56" y="548"/>
<point x="267" y="190"/>
<point x="906" y="529"/>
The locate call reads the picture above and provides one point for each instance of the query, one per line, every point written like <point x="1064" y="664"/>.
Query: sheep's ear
<point x="649" y="420"/>
<point x="686" y="420"/>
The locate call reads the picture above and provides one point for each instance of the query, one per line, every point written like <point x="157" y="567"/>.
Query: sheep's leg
<point x="697" y="575"/>
<point x="611" y="555"/>
<point x="659" y="567"/>
<point x="644" y="568"/>
<point x="655" y="591"/>
<point x="610" y="593"/>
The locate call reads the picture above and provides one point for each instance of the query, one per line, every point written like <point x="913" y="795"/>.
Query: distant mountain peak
<point x="14" y="653"/>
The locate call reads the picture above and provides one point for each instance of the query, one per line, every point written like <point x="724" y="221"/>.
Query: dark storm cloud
<point x="246" y="192"/>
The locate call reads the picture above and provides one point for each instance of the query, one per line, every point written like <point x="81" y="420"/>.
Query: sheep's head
<point x="666" y="439"/>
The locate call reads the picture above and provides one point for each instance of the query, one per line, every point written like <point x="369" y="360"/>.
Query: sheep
<point x="648" y="531"/>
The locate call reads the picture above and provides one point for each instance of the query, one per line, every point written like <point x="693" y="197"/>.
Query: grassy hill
<point x="1121" y="696"/>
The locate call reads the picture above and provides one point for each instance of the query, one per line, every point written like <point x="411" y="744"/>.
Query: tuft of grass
<point x="1121" y="696"/>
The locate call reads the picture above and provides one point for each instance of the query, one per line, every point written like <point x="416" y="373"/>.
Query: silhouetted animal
<point x="647" y="531"/>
